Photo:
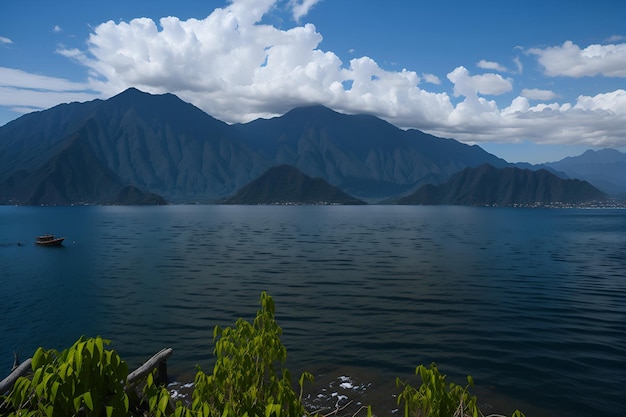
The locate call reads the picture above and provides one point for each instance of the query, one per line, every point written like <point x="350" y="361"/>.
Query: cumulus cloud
<point x="5" y="40"/>
<point x="489" y="65"/>
<point x="237" y="69"/>
<point x="538" y="94"/>
<point x="593" y="120"/>
<point x="300" y="8"/>
<point x="431" y="78"/>
<point x="613" y="102"/>
<point x="468" y="85"/>
<point x="572" y="61"/>
<point x="57" y="29"/>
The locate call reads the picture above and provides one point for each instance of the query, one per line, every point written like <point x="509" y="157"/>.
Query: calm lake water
<point x="530" y="302"/>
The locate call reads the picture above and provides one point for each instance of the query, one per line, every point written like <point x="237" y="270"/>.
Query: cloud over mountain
<point x="237" y="67"/>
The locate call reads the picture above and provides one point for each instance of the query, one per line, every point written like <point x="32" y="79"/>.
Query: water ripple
<point x="532" y="302"/>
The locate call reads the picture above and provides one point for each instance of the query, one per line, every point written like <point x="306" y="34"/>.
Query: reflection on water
<point x="529" y="302"/>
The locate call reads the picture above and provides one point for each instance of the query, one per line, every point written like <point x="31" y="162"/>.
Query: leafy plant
<point x="158" y="399"/>
<point x="85" y="378"/>
<point x="248" y="380"/>
<point x="248" y="376"/>
<point x="435" y="398"/>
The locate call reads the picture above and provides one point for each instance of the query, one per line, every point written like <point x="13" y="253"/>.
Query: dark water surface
<point x="530" y="302"/>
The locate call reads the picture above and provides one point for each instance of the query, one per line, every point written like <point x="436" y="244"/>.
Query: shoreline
<point x="349" y="390"/>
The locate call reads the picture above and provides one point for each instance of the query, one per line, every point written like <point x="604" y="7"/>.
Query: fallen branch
<point x="157" y="360"/>
<point x="7" y="383"/>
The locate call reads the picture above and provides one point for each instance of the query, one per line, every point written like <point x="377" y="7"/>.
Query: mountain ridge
<point x="165" y="146"/>
<point x="511" y="186"/>
<point x="604" y="168"/>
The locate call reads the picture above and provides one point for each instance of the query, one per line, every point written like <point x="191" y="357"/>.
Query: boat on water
<point x="49" y="240"/>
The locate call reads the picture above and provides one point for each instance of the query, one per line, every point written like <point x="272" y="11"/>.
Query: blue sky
<point x="528" y="81"/>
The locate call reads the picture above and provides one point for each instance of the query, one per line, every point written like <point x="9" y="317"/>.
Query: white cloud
<point x="571" y="61"/>
<point x="5" y="40"/>
<point x="431" y="78"/>
<point x="57" y="29"/>
<point x="301" y="8"/>
<point x="489" y="65"/>
<point x="614" y="102"/>
<point x="468" y="85"/>
<point x="22" y="91"/>
<point x="593" y="120"/>
<point x="23" y="100"/>
<point x="518" y="65"/>
<point x="10" y="77"/>
<point x="238" y="69"/>
<point x="538" y="94"/>
<point x="616" y="38"/>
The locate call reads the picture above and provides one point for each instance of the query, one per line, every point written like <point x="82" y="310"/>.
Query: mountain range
<point x="605" y="168"/>
<point x="169" y="150"/>
<point x="511" y="186"/>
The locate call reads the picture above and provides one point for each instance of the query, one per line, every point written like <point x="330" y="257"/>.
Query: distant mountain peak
<point x="134" y="94"/>
<point x="311" y="112"/>
<point x="510" y="186"/>
<point x="604" y="168"/>
<point x="285" y="184"/>
<point x="133" y="90"/>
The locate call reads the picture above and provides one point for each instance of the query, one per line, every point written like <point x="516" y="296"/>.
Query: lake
<point x="530" y="302"/>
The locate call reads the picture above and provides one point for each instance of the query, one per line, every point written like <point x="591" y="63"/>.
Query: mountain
<point x="157" y="143"/>
<point x="73" y="175"/>
<point x="285" y="184"/>
<point x="361" y="154"/>
<point x="487" y="185"/>
<point x="605" y="169"/>
<point x="163" y="145"/>
<point x="133" y="196"/>
<point x="89" y="152"/>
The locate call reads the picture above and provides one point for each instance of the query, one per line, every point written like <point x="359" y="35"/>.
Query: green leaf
<point x="152" y="402"/>
<point x="88" y="400"/>
<point x="78" y="357"/>
<point x="37" y="376"/>
<point x="99" y="347"/>
<point x="77" y="402"/>
<point x="90" y="347"/>
<point x="163" y="403"/>
<point x="54" y="390"/>
<point x="126" y="402"/>
<point x="37" y="359"/>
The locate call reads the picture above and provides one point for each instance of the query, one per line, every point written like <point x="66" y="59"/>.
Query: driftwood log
<point x="7" y="383"/>
<point x="158" y="360"/>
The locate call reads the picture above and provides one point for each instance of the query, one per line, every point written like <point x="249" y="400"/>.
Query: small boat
<point x="49" y="240"/>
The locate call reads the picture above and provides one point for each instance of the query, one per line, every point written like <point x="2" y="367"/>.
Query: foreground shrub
<point x="435" y="398"/>
<point x="249" y="377"/>
<point x="85" y="378"/>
